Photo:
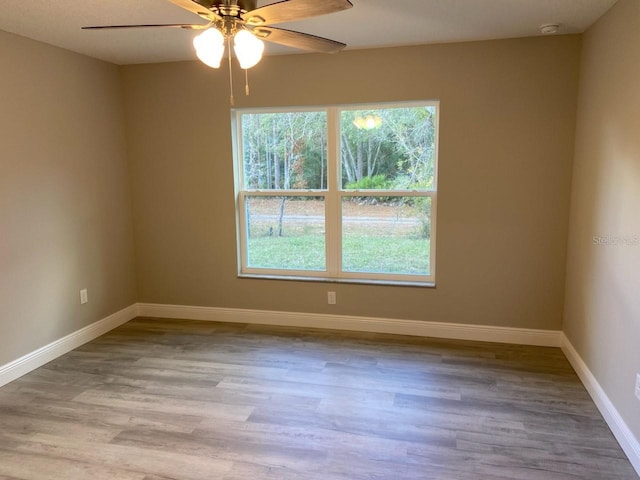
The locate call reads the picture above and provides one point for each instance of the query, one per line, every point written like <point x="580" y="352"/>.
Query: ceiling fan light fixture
<point x="248" y="48"/>
<point x="248" y="25"/>
<point x="209" y="46"/>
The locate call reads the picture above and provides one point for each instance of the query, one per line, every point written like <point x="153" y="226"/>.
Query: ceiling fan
<point x="248" y="26"/>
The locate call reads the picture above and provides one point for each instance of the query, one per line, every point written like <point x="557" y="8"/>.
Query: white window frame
<point x="333" y="196"/>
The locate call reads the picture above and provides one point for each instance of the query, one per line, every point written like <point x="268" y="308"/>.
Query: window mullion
<point x="332" y="205"/>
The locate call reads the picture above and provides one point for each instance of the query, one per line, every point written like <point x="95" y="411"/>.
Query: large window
<point x="338" y="193"/>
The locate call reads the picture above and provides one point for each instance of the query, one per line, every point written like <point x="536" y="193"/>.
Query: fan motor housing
<point x="246" y="5"/>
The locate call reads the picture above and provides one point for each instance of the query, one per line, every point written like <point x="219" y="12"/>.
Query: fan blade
<point x="300" y="40"/>
<point x="291" y="10"/>
<point x="197" y="8"/>
<point x="172" y="25"/>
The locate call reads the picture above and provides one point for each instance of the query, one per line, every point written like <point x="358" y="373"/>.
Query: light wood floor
<point x="157" y="400"/>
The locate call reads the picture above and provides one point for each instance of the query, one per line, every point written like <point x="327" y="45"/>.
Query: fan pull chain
<point x="231" y="100"/>
<point x="246" y="82"/>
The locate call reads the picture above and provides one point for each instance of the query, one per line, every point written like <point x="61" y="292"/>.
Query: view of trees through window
<point x="355" y="202"/>
<point x="285" y="151"/>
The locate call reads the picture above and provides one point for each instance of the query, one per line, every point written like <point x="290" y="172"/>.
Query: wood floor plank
<point x="172" y="464"/>
<point x="187" y="400"/>
<point x="224" y="448"/>
<point x="164" y="404"/>
<point x="28" y="466"/>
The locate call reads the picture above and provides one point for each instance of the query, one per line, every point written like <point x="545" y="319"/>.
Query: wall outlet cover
<point x="331" y="298"/>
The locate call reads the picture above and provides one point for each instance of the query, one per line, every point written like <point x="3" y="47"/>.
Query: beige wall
<point x="602" y="313"/>
<point x="65" y="209"/>
<point x="507" y="130"/>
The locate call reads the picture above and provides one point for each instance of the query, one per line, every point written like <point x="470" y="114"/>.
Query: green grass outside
<point x="378" y="254"/>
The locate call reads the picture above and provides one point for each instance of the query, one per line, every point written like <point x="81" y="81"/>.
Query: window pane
<point x="388" y="148"/>
<point x="386" y="235"/>
<point x="285" y="233"/>
<point x="284" y="151"/>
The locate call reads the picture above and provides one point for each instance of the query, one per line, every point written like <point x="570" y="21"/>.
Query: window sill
<point x="357" y="281"/>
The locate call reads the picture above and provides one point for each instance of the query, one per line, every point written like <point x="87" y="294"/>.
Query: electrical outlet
<point x="638" y="386"/>
<point x="331" y="298"/>
<point x="83" y="296"/>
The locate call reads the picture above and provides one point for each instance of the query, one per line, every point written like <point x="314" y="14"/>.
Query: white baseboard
<point x="618" y="426"/>
<point x="483" y="333"/>
<point x="39" y="357"/>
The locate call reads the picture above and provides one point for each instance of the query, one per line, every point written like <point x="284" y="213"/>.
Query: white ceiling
<point x="369" y="24"/>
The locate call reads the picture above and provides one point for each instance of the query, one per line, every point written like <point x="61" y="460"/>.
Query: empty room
<point x="319" y="239"/>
